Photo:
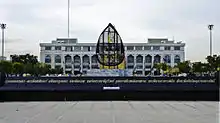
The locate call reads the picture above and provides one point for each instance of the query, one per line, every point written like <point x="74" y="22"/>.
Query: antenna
<point x="68" y="18"/>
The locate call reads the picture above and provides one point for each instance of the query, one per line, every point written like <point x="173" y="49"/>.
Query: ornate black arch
<point x="110" y="48"/>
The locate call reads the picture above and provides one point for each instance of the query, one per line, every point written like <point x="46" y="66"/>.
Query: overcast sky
<point x="30" y="22"/>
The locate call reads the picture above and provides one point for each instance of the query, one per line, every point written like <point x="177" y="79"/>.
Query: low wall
<point x="118" y="88"/>
<point x="108" y="95"/>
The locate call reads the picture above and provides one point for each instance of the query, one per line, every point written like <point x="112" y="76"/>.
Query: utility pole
<point x="3" y="26"/>
<point x="210" y="30"/>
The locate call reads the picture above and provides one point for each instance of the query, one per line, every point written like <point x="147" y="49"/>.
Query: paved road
<point x="109" y="112"/>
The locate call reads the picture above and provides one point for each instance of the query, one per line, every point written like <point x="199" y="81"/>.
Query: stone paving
<point x="109" y="112"/>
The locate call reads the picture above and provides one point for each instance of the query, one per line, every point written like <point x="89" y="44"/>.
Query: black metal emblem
<point x="110" y="48"/>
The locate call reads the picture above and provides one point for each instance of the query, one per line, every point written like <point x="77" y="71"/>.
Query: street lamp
<point x="210" y="29"/>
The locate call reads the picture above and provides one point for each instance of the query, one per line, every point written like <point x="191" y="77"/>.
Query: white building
<point x="73" y="56"/>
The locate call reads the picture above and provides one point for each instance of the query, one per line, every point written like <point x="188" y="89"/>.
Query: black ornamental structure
<point x="110" y="49"/>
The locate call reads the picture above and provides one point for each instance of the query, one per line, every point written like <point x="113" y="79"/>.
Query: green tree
<point x="214" y="62"/>
<point x="162" y="66"/>
<point x="29" y="68"/>
<point x="6" y="66"/>
<point x="18" y="68"/>
<point x="44" y="68"/>
<point x="25" y="59"/>
<point x="184" y="67"/>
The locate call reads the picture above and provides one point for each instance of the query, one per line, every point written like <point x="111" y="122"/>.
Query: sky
<point x="30" y="22"/>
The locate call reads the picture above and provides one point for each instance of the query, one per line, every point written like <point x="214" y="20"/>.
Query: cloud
<point x="32" y="22"/>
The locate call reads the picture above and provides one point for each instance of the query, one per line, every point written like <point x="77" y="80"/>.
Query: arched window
<point x="130" y="59"/>
<point x="94" y="59"/>
<point x="139" y="59"/>
<point x="177" y="59"/>
<point x="48" y="59"/>
<point x="68" y="59"/>
<point x="148" y="59"/>
<point x="85" y="59"/>
<point x="167" y="59"/>
<point x="77" y="59"/>
<point x="157" y="59"/>
<point x="57" y="59"/>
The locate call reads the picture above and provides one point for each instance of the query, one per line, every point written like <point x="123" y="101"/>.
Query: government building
<point x="76" y="57"/>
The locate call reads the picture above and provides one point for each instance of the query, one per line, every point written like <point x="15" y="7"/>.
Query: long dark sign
<point x="111" y="80"/>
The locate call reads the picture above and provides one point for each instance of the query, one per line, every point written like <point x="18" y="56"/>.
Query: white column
<point x="144" y="64"/>
<point x="52" y="61"/>
<point x="172" y="60"/>
<point x="135" y="64"/>
<point x="152" y="63"/>
<point x="62" y="63"/>
<point x="161" y="58"/>
<point x="81" y="61"/>
<point x="72" y="63"/>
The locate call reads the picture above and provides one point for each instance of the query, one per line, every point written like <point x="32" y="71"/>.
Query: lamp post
<point x="210" y="30"/>
<point x="68" y="19"/>
<point x="3" y="26"/>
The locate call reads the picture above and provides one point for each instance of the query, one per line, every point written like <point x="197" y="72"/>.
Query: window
<point x="130" y="59"/>
<point x="57" y="47"/>
<point x="138" y="48"/>
<point x="148" y="59"/>
<point x="77" y="66"/>
<point x="69" y="48"/>
<point x="139" y="59"/>
<point x="77" y="59"/>
<point x="68" y="66"/>
<point x="156" y="47"/>
<point x="167" y="48"/>
<point x="177" y="59"/>
<point x="68" y="59"/>
<point x="58" y="67"/>
<point x="147" y="47"/>
<point x="86" y="48"/>
<point x="176" y="48"/>
<point x="94" y="59"/>
<point x="130" y="48"/>
<point x="47" y="59"/>
<point x="93" y="48"/>
<point x="57" y="59"/>
<point x="167" y="59"/>
<point x="48" y="48"/>
<point x="86" y="66"/>
<point x="130" y="67"/>
<point x="139" y="66"/>
<point x="85" y="59"/>
<point x="77" y="48"/>
<point x="157" y="59"/>
<point x="147" y="66"/>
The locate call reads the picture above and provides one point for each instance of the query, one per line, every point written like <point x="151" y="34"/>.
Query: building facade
<point x="79" y="57"/>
